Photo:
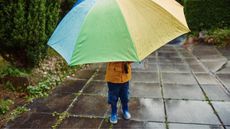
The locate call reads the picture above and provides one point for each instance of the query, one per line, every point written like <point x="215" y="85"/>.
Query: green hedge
<point x="25" y="26"/>
<point x="207" y="14"/>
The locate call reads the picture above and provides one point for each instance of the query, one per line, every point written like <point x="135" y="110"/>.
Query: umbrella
<point x="117" y="30"/>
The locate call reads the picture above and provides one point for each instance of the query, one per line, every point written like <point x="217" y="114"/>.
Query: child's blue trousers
<point x="116" y="91"/>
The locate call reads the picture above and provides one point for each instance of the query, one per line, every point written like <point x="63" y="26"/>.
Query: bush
<point x="67" y="5"/>
<point x="25" y="28"/>
<point x="5" y="106"/>
<point x="219" y="37"/>
<point x="207" y="14"/>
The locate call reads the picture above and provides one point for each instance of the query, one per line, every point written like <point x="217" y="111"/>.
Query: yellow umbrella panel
<point x="153" y="23"/>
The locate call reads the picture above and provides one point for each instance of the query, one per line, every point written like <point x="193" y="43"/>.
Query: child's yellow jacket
<point x="115" y="72"/>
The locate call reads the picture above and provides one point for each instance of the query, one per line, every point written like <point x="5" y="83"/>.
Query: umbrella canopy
<point x="117" y="30"/>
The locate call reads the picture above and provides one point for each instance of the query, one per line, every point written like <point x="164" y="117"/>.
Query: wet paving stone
<point x="171" y="60"/>
<point x="198" y="69"/>
<point x="186" y="54"/>
<point x="166" y="48"/>
<point x="214" y="65"/>
<point x="153" y="125"/>
<point x="53" y="103"/>
<point x="139" y="65"/>
<point x="123" y="124"/>
<point x="223" y="110"/>
<point x="199" y="112"/>
<point x="193" y="61"/>
<point x="102" y="67"/>
<point x="225" y="69"/>
<point x="146" y="90"/>
<point x="178" y="78"/>
<point x="177" y="91"/>
<point x="144" y="67"/>
<point x="96" y="87"/>
<point x="174" y="68"/>
<point x="151" y="60"/>
<point x="100" y="76"/>
<point x="80" y="123"/>
<point x="206" y="79"/>
<point x="70" y="86"/>
<point x="147" y="77"/>
<point x="153" y="55"/>
<point x="225" y="52"/>
<point x="193" y="126"/>
<point x="146" y="109"/>
<point x="225" y="78"/>
<point x="168" y="54"/>
<point x="32" y="121"/>
<point x="85" y="74"/>
<point x="216" y="92"/>
<point x="151" y="68"/>
<point x="204" y="51"/>
<point x="90" y="105"/>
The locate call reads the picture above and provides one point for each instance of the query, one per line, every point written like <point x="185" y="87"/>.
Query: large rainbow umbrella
<point x="117" y="30"/>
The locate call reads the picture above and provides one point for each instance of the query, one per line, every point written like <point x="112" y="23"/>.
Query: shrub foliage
<point x="25" y="26"/>
<point x="207" y="14"/>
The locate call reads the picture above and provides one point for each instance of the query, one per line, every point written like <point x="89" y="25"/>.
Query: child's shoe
<point x="113" y="118"/>
<point x="126" y="113"/>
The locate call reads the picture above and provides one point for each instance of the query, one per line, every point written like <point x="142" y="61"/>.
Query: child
<point x="117" y="76"/>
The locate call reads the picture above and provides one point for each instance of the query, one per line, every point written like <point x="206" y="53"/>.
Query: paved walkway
<point x="172" y="89"/>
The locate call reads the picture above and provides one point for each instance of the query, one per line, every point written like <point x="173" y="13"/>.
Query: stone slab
<point x="138" y="66"/>
<point x="168" y="54"/>
<point x="166" y="48"/>
<point x="178" y="78"/>
<point x="223" y="110"/>
<point x="96" y="87"/>
<point x="225" y="51"/>
<point x="53" y="103"/>
<point x="174" y="91"/>
<point x="90" y="105"/>
<point x="206" y="79"/>
<point x="225" y="69"/>
<point x="151" y="60"/>
<point x="151" y="68"/>
<point x="186" y="54"/>
<point x="154" y="125"/>
<point x="197" y="112"/>
<point x="123" y="124"/>
<point x="171" y="60"/>
<point x="174" y="68"/>
<point x="147" y="77"/>
<point x="80" y="123"/>
<point x="31" y="120"/>
<point x="144" y="67"/>
<point x="216" y="92"/>
<point x="152" y="55"/>
<point x="198" y="69"/>
<point x="70" y="86"/>
<point x="192" y="61"/>
<point x="84" y="74"/>
<point x="100" y="76"/>
<point x="225" y="78"/>
<point x="193" y="126"/>
<point x="215" y="65"/>
<point x="147" y="109"/>
<point x="145" y="90"/>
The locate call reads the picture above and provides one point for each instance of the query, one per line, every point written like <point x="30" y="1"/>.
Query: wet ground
<point x="174" y="88"/>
